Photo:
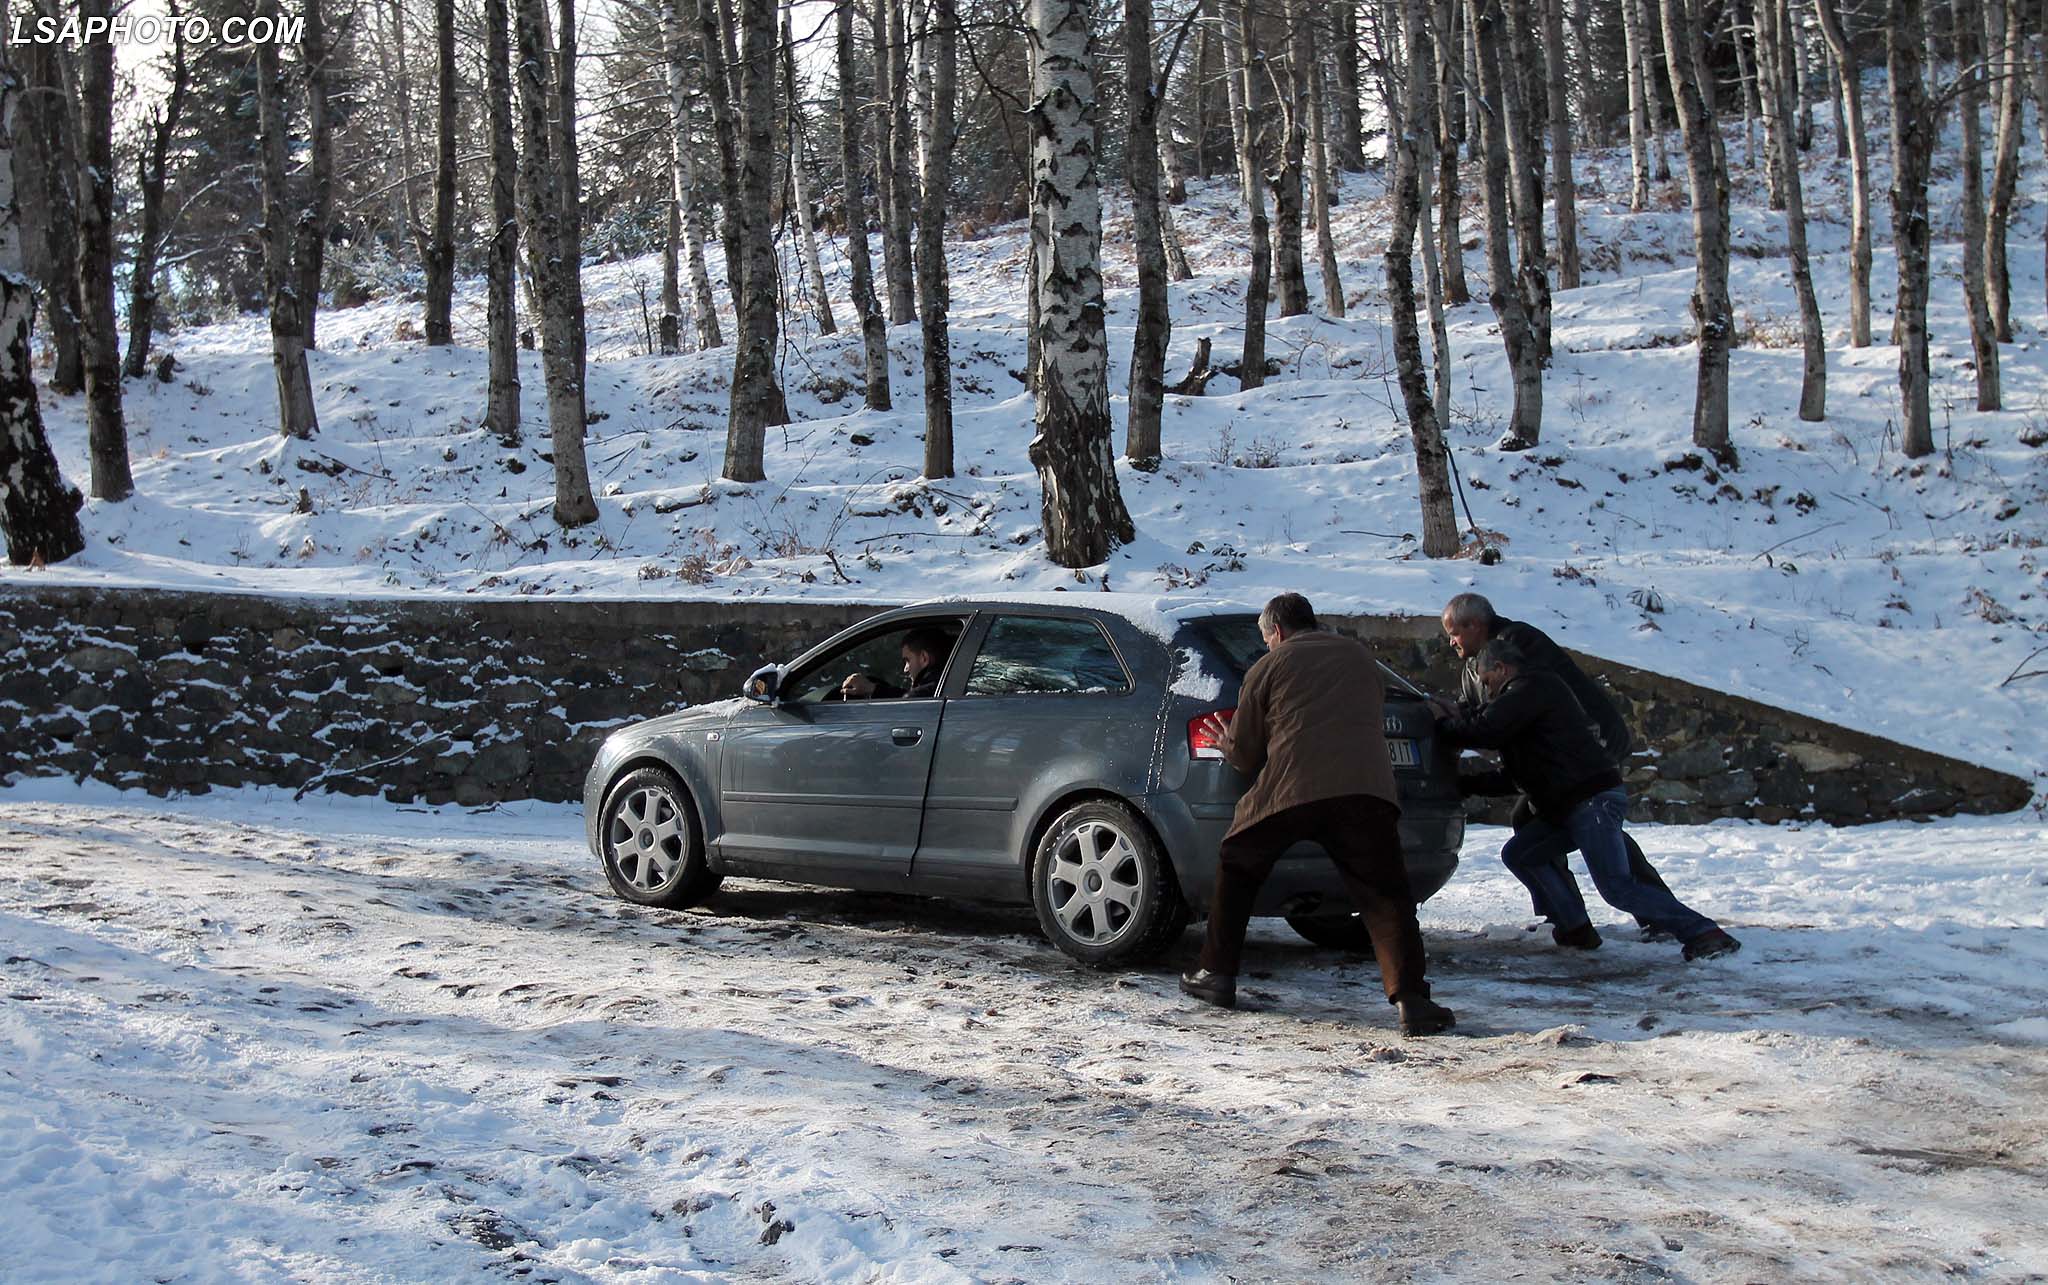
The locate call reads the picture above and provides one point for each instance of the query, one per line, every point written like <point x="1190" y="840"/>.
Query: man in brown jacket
<point x="1310" y="731"/>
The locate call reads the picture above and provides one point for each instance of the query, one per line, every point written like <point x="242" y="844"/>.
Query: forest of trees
<point x="395" y="145"/>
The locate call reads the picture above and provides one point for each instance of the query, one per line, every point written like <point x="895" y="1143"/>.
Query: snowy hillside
<point x="1828" y="574"/>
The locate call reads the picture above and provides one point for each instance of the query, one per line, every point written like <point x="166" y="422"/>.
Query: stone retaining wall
<point x="474" y="701"/>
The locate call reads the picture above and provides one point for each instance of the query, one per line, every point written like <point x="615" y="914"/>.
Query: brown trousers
<point x="1361" y="834"/>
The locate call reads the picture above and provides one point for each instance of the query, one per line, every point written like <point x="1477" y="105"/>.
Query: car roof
<point x="1155" y="614"/>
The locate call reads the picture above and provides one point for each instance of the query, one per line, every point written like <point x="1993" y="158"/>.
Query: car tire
<point x="1334" y="932"/>
<point x="1104" y="891"/>
<point x="651" y="843"/>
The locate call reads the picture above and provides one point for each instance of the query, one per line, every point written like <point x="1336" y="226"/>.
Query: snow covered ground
<point x="245" y="1040"/>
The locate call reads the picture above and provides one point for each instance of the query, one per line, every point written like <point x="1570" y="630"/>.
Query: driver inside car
<point x="924" y="660"/>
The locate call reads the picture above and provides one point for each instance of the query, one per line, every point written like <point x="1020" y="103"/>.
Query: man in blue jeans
<point x="1549" y="753"/>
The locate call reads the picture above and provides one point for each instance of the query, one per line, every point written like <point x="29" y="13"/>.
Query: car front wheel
<point x="1103" y="889"/>
<point x="653" y="849"/>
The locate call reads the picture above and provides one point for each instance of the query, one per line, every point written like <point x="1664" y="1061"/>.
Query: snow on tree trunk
<point x="1433" y="479"/>
<point x="1706" y="165"/>
<point x="1774" y="34"/>
<point x="682" y="162"/>
<point x="1969" y="50"/>
<point x="38" y="511"/>
<point x="874" y="331"/>
<point x="1082" y="510"/>
<point x="1450" y="232"/>
<point x="295" y="415"/>
<point x="1848" y="81"/>
<point x="555" y="262"/>
<point x="1565" y="193"/>
<point x="152" y="169"/>
<point x="1288" y="188"/>
<point x="1638" y="107"/>
<point x="441" y="245"/>
<point x="501" y="406"/>
<point x="757" y="402"/>
<point x="1319" y="193"/>
<point x="933" y="285"/>
<point x="1141" y="169"/>
<point x="99" y="334"/>
<point x="800" y="186"/>
<point x="48" y="178"/>
<point x="2005" y="173"/>
<point x="1525" y="426"/>
<point x="1913" y="142"/>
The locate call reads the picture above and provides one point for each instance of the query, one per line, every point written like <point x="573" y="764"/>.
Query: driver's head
<point x="924" y="650"/>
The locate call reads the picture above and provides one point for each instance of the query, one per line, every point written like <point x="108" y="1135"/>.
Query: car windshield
<point x="1237" y="638"/>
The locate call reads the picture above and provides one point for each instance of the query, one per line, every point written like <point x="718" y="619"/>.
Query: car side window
<point x="1024" y="654"/>
<point x="878" y="656"/>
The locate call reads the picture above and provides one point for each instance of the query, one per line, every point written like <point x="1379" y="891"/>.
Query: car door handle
<point x="906" y="735"/>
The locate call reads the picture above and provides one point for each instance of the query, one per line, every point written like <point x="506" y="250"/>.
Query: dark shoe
<point x="1584" y="937"/>
<point x="1652" y="933"/>
<point x="1219" y="989"/>
<point x="1425" y="1017"/>
<point x="1711" y="944"/>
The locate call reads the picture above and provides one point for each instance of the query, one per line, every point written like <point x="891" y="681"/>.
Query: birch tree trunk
<point x="1082" y="511"/>
<point x="1849" y="78"/>
<point x="874" y="331"/>
<point x="899" y="190"/>
<point x="1525" y="426"/>
<point x="1239" y="33"/>
<point x="47" y="171"/>
<point x="1639" y="127"/>
<point x="1521" y="82"/>
<point x="1706" y="165"/>
<point x="682" y="161"/>
<point x="152" y="171"/>
<point x="1564" y="187"/>
<point x="309" y="256"/>
<point x="1237" y="86"/>
<point x="554" y="259"/>
<point x="1319" y="194"/>
<point x="1141" y="169"/>
<point x="1968" y="16"/>
<point x="38" y="511"/>
<point x="501" y="405"/>
<point x="1350" y="148"/>
<point x="1288" y="187"/>
<point x="933" y="285"/>
<point x="1774" y="35"/>
<point x="569" y="189"/>
<point x="1450" y="233"/>
<point x="718" y="91"/>
<point x="2005" y="171"/>
<point x="800" y="186"/>
<point x="1913" y="143"/>
<point x="295" y="414"/>
<point x="440" y="255"/>
<point x="99" y="335"/>
<point x="757" y="402"/>
<point x="1745" y="75"/>
<point x="1439" y="519"/>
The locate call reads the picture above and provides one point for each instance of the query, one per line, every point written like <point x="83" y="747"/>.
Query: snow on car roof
<point x="1155" y="614"/>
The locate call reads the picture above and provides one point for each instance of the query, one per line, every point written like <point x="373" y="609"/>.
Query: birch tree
<point x="682" y="163"/>
<point x="1967" y="16"/>
<point x="99" y="336"/>
<point x="933" y="287"/>
<point x="38" y="510"/>
<point x="152" y="173"/>
<point x="281" y="282"/>
<point x="1564" y="187"/>
<point x="800" y="186"/>
<point x="1525" y="425"/>
<point x="1913" y="141"/>
<point x="1240" y="35"/>
<point x="501" y="323"/>
<point x="1774" y="36"/>
<point x="1141" y="169"/>
<point x="757" y="401"/>
<point x="46" y="173"/>
<point x="892" y="68"/>
<point x="1320" y="183"/>
<point x="1082" y="510"/>
<point x="1451" y="127"/>
<point x="1849" y="90"/>
<point x="874" y="331"/>
<point x="1288" y="188"/>
<point x="1639" y="128"/>
<point x="1706" y="165"/>
<point x="440" y="248"/>
<point x="2010" y="89"/>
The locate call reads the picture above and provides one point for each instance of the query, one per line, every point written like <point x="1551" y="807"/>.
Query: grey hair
<point x="1499" y="651"/>
<point x="1288" y="611"/>
<point x="1470" y="609"/>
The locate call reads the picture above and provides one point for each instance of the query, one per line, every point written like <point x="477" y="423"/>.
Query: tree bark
<point x="501" y="405"/>
<point x="933" y="284"/>
<point x="1350" y="147"/>
<point x="2005" y="171"/>
<point x="99" y="334"/>
<point x="1967" y="16"/>
<point x="152" y="172"/>
<point x="1774" y="36"/>
<point x="1525" y="426"/>
<point x="874" y="331"/>
<point x="757" y="401"/>
<point x="1706" y="165"/>
<point x="1439" y="519"/>
<point x="554" y="256"/>
<point x="1913" y="143"/>
<point x="569" y="190"/>
<point x="47" y="170"/>
<point x="1639" y="127"/>
<point x="717" y="85"/>
<point x="1082" y="510"/>
<point x="38" y="510"/>
<point x="295" y="414"/>
<point x="1521" y="80"/>
<point x="800" y="187"/>
<point x="1450" y="233"/>
<point x="1141" y="169"/>
<point x="440" y="255"/>
<point x="682" y="160"/>
<point x="1288" y="187"/>
<point x="1849" y="80"/>
<point x="1320" y="195"/>
<point x="898" y="188"/>
<point x="1240" y="34"/>
<point x="1237" y="86"/>
<point x="1563" y="185"/>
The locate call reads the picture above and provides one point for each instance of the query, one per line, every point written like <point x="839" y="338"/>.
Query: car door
<point x="1045" y="705"/>
<point x="826" y="789"/>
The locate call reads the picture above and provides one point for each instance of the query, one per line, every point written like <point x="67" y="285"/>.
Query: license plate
<point x="1403" y="751"/>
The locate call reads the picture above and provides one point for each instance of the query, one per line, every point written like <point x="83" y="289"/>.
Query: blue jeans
<point x="1535" y="854"/>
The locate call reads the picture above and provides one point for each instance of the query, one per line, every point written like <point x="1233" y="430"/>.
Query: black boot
<point x="1584" y="937"/>
<point x="1711" y="944"/>
<point x="1219" y="989"/>
<point x="1421" y="1015"/>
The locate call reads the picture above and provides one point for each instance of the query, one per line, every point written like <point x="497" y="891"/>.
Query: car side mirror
<point x="764" y="686"/>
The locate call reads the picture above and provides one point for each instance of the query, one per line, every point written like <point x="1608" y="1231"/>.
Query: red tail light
<point x="1201" y="745"/>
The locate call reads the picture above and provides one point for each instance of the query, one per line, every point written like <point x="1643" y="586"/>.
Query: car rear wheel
<point x="1336" y="932"/>
<point x="1103" y="889"/>
<point x="653" y="848"/>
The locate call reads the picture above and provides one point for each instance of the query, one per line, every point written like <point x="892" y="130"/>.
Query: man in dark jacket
<point x="1549" y="752"/>
<point x="924" y="652"/>
<point x="1470" y="622"/>
<point x="1310" y="730"/>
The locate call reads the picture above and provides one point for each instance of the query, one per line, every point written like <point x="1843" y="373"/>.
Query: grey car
<point x="1056" y="761"/>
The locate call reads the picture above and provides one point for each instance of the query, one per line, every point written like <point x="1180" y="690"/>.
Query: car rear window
<point x="1237" y="640"/>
